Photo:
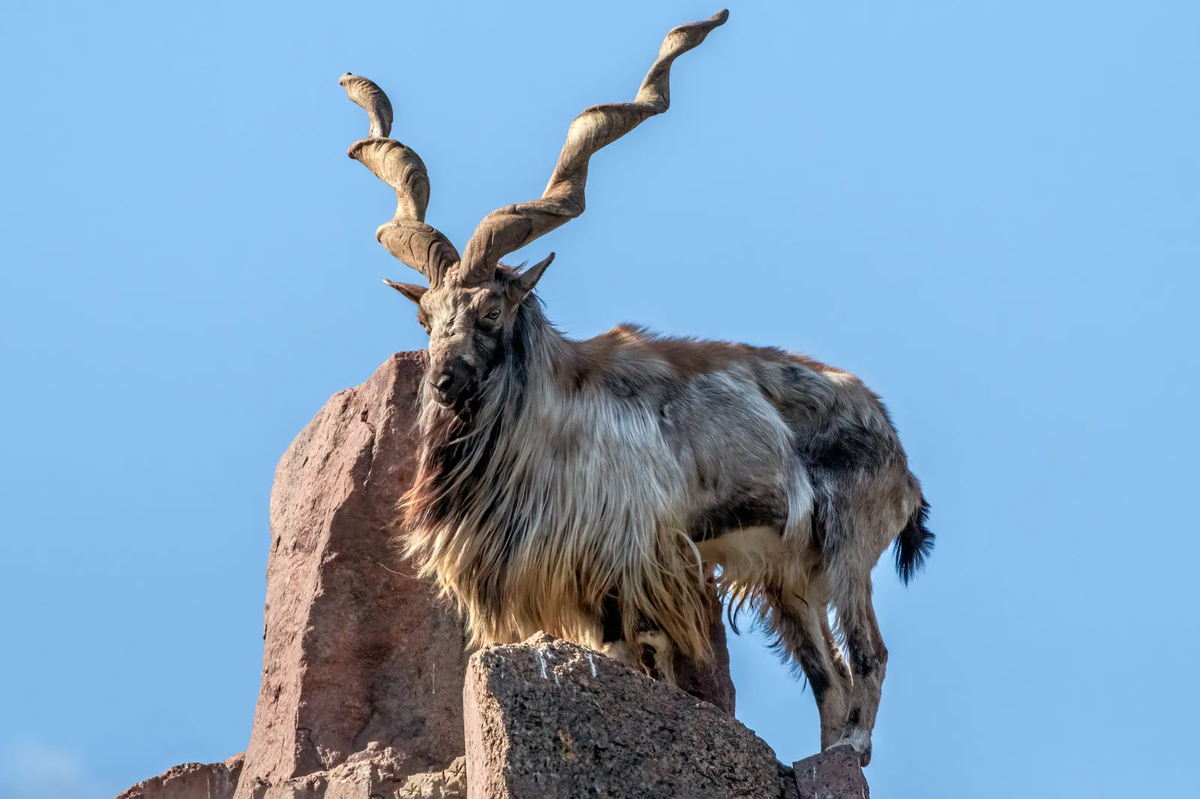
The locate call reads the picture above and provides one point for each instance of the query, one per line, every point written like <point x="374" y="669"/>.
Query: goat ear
<point x="532" y="275"/>
<point x="410" y="290"/>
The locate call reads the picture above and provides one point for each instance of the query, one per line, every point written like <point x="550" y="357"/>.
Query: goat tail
<point x="914" y="544"/>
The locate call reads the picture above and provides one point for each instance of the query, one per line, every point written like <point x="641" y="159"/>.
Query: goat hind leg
<point x="868" y="662"/>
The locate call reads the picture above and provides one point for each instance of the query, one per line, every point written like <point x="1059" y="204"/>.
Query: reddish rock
<point x="787" y="785"/>
<point x="551" y="719"/>
<point x="376" y="773"/>
<point x="448" y="784"/>
<point x="357" y="650"/>
<point x="835" y="773"/>
<point x="191" y="781"/>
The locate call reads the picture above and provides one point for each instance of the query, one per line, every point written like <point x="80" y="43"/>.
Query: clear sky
<point x="987" y="210"/>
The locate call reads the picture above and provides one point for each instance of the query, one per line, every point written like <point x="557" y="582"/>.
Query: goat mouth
<point x="440" y="397"/>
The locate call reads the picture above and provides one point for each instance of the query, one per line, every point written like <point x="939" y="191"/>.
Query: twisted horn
<point x="406" y="236"/>
<point x="512" y="227"/>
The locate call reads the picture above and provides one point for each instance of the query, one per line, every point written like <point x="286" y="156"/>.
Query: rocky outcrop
<point x="550" y="719"/>
<point x="376" y="773"/>
<point x="363" y="667"/>
<point x="357" y="650"/>
<point x="835" y="772"/>
<point x="191" y="781"/>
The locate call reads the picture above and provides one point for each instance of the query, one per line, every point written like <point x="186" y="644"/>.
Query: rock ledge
<point x="549" y="719"/>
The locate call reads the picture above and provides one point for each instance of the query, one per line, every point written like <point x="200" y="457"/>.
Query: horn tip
<point x="720" y="17"/>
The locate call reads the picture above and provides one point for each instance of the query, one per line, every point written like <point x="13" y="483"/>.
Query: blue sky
<point x="987" y="210"/>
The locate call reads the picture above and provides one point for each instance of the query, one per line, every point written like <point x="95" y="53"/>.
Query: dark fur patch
<point x="914" y="544"/>
<point x="863" y="661"/>
<point x="800" y="393"/>
<point x="739" y="513"/>
<point x="846" y="448"/>
<point x="809" y="654"/>
<point x="610" y="620"/>
<point x="648" y="656"/>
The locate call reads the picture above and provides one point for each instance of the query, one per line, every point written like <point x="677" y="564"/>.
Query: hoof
<point x="860" y="741"/>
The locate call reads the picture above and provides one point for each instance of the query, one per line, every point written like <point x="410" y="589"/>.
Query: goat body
<point x="587" y="481"/>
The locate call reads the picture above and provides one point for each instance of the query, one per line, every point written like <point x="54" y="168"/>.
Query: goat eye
<point x="493" y="314"/>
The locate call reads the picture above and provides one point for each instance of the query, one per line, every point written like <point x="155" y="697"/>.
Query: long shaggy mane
<point x="516" y="517"/>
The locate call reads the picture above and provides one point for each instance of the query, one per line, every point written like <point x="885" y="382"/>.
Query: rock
<point x="448" y="784"/>
<point x="191" y="781"/>
<point x="551" y="719"/>
<point x="833" y="773"/>
<point x="376" y="773"/>
<point x="357" y="650"/>
<point x="787" y="783"/>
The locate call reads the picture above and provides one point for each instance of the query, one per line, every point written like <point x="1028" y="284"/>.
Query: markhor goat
<point x="589" y="488"/>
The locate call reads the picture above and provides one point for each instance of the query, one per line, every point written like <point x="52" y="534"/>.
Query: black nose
<point x="451" y="382"/>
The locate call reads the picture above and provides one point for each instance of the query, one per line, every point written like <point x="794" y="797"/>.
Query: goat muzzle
<point x="452" y="383"/>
